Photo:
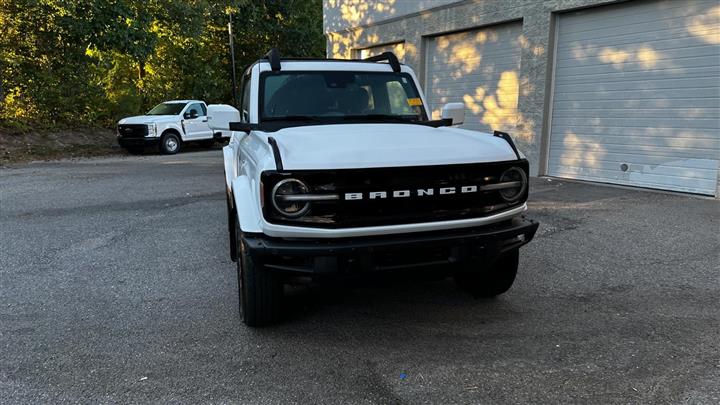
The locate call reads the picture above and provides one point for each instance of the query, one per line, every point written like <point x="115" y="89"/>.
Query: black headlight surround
<point x="514" y="174"/>
<point x="276" y="193"/>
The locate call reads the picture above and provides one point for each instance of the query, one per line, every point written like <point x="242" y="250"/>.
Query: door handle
<point x="205" y="120"/>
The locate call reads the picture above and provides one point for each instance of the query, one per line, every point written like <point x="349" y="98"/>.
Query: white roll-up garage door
<point x="636" y="97"/>
<point x="480" y="68"/>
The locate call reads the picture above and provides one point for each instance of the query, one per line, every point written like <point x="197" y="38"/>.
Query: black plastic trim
<point x="302" y="255"/>
<point x="276" y="152"/>
<point x="508" y="139"/>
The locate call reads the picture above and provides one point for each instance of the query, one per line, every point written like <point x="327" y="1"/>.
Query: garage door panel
<point x="479" y="68"/>
<point x="693" y="113"/>
<point x="636" y="96"/>
<point x="695" y="57"/>
<point x="664" y="168"/>
<point x="699" y="72"/>
<point x="645" y="153"/>
<point x="656" y="84"/>
<point x="666" y="39"/>
<point x="680" y="94"/>
<point x="610" y="16"/>
<point x="645" y="104"/>
<point x="637" y="178"/>
<point x="701" y="123"/>
<point x="639" y="132"/>
<point x="656" y="29"/>
<point x="630" y="18"/>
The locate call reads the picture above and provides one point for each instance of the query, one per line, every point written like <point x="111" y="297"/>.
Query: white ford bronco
<point x="170" y="124"/>
<point x="335" y="170"/>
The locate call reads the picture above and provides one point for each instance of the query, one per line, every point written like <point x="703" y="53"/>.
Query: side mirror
<point x="193" y="114"/>
<point x="454" y="112"/>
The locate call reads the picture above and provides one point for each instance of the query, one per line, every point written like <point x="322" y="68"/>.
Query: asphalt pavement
<point x="116" y="286"/>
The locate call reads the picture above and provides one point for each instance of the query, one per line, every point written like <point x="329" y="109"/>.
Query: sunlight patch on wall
<point x="706" y="27"/>
<point x="578" y="153"/>
<point x="644" y="56"/>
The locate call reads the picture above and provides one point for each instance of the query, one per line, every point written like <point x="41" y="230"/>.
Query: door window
<point x="199" y="109"/>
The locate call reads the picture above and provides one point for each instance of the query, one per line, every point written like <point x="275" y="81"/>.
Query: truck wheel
<point x="169" y="144"/>
<point x="486" y="283"/>
<point x="260" y="290"/>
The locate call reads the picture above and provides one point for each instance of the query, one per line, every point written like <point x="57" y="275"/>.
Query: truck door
<point x="195" y="122"/>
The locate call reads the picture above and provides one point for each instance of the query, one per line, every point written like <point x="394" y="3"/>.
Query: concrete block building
<point x="622" y="92"/>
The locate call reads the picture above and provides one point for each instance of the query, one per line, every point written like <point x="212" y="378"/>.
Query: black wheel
<point x="491" y="281"/>
<point x="260" y="290"/>
<point x="170" y="144"/>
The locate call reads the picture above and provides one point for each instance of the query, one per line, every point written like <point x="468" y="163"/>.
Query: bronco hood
<point x="346" y="146"/>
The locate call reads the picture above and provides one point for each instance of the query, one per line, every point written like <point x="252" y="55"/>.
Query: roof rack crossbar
<point x="386" y="56"/>
<point x="273" y="56"/>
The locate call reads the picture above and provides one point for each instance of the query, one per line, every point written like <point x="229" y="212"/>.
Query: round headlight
<point x="282" y="199"/>
<point x="517" y="176"/>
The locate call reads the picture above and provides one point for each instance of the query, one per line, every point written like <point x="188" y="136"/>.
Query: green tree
<point x="64" y="62"/>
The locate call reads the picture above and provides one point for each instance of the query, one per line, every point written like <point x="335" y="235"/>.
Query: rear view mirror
<point x="455" y="112"/>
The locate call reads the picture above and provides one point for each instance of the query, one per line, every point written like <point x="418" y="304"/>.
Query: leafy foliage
<point x="64" y="62"/>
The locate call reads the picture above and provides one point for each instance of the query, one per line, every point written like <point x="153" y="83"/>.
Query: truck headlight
<point x="151" y="129"/>
<point x="515" y="182"/>
<point x="284" y="203"/>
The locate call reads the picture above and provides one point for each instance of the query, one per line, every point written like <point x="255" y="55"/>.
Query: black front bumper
<point x="126" y="142"/>
<point x="389" y="252"/>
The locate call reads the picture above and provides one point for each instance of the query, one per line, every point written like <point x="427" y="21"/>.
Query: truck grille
<point x="402" y="202"/>
<point x="132" y="130"/>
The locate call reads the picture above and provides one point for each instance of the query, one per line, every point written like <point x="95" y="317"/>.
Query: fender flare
<point x="172" y="127"/>
<point x="246" y="205"/>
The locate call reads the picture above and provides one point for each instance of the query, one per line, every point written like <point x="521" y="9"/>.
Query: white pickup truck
<point x="336" y="170"/>
<point x="170" y="124"/>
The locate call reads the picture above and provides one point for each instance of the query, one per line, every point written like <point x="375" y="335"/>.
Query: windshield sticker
<point x="412" y="102"/>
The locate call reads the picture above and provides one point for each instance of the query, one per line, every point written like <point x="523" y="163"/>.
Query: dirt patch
<point x="51" y="145"/>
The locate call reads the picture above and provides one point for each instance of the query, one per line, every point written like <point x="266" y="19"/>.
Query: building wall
<point x="339" y="15"/>
<point x="444" y="17"/>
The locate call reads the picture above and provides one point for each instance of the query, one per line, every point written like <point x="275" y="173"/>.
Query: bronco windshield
<point x="339" y="96"/>
<point x="167" y="109"/>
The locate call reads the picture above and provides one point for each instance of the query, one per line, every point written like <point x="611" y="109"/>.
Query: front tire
<point x="260" y="292"/>
<point x="170" y="144"/>
<point x="493" y="281"/>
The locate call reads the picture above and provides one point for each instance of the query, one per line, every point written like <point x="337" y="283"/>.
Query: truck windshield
<point x="167" y="109"/>
<point x="339" y="96"/>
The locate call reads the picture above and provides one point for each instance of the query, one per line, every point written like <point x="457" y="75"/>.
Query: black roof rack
<point x="273" y="57"/>
<point x="386" y="56"/>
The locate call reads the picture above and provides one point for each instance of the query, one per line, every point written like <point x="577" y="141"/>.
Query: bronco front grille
<point x="132" y="130"/>
<point x="360" y="200"/>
